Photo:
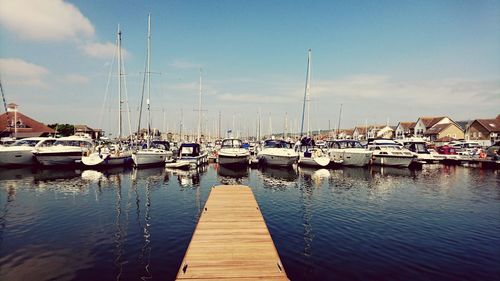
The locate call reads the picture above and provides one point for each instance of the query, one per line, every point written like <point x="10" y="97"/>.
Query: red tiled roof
<point x="407" y="125"/>
<point x="33" y="127"/>
<point x="431" y="121"/>
<point x="436" y="129"/>
<point x="492" y="125"/>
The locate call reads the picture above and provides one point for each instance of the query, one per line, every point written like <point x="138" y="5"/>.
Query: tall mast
<point x="199" y="112"/>
<point x="149" y="78"/>
<point x="120" y="83"/>
<point x="306" y="95"/>
<point x="340" y="118"/>
<point x="309" y="93"/>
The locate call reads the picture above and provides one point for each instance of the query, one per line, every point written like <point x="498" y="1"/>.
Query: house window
<point x="479" y="134"/>
<point x="454" y="136"/>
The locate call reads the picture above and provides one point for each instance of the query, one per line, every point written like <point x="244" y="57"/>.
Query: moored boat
<point x="21" y="151"/>
<point x="277" y="153"/>
<point x="233" y="153"/>
<point x="349" y="153"/>
<point x="390" y="153"/>
<point x="64" y="151"/>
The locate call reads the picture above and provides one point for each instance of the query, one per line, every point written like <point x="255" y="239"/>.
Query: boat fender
<point x="482" y="155"/>
<point x="86" y="153"/>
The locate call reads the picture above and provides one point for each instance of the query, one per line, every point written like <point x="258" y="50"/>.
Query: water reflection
<point x="232" y="175"/>
<point x="188" y="178"/>
<point x="393" y="171"/>
<point x="314" y="176"/>
<point x="278" y="177"/>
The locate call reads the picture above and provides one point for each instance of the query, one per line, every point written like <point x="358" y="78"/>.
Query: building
<point x="439" y="131"/>
<point x="15" y="124"/>
<point x="404" y="130"/>
<point x="425" y="123"/>
<point x="485" y="131"/>
<point x="360" y="132"/>
<point x="85" y="130"/>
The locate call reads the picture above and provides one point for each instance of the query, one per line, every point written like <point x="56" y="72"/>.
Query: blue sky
<point x="385" y="61"/>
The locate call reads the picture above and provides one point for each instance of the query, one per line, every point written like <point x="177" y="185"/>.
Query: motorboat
<point x="313" y="156"/>
<point x="106" y="155"/>
<point x="390" y="153"/>
<point x="233" y="153"/>
<point x="193" y="153"/>
<point x="420" y="149"/>
<point x="155" y="153"/>
<point x="21" y="151"/>
<point x="277" y="153"/>
<point x="64" y="151"/>
<point x="349" y="153"/>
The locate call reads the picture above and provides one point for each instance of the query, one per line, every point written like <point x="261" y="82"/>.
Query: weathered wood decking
<point x="231" y="240"/>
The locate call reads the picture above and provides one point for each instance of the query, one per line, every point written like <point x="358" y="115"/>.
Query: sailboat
<point x="112" y="154"/>
<point x="152" y="153"/>
<point x="310" y="155"/>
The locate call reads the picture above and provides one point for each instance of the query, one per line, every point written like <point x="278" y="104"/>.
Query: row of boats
<point x="228" y="152"/>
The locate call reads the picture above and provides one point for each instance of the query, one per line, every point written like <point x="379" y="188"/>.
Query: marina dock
<point x="231" y="240"/>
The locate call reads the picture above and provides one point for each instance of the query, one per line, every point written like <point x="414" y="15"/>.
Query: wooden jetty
<point x="231" y="240"/>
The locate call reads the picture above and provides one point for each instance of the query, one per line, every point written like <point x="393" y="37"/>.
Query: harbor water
<point x="437" y="223"/>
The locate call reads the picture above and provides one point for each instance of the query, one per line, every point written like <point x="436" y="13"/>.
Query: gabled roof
<point x="407" y="125"/>
<point x="491" y="125"/>
<point x="431" y="121"/>
<point x="32" y="128"/>
<point x="436" y="129"/>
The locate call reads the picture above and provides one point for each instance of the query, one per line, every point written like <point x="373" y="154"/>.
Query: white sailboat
<point x="150" y="154"/>
<point x="112" y="154"/>
<point x="309" y="155"/>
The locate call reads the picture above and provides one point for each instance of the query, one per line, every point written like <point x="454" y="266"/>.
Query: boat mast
<point x="306" y="95"/>
<point x="119" y="83"/>
<point x="149" y="80"/>
<point x="340" y="117"/>
<point x="199" y="113"/>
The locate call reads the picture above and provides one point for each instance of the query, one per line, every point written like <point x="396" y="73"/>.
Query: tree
<point x="63" y="129"/>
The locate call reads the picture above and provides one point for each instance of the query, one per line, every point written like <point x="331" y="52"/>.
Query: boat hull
<point x="17" y="157"/>
<point x="277" y="160"/>
<point x="233" y="160"/>
<point x="107" y="160"/>
<point x="351" y="157"/>
<point x="150" y="157"/>
<point x="321" y="161"/>
<point x="58" y="158"/>
<point x="393" y="161"/>
<point x="196" y="160"/>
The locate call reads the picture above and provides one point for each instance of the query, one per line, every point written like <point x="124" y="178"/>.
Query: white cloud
<point x="20" y="72"/>
<point x="102" y="50"/>
<point x="45" y="20"/>
<point x="182" y="64"/>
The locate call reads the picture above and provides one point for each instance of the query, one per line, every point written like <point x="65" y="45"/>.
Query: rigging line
<point x="101" y="115"/>
<point x="126" y="99"/>
<point x="142" y="97"/>
<point x="5" y="107"/>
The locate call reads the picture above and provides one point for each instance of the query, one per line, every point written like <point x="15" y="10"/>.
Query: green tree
<point x="63" y="129"/>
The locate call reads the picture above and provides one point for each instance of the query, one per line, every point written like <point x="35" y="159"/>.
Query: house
<point x="16" y="124"/>
<point x="386" y="132"/>
<point x="343" y="134"/>
<point x="360" y="132"/>
<point x="404" y="130"/>
<point x="425" y="123"/>
<point x="439" y="131"/>
<point x="485" y="131"/>
<point x="87" y="131"/>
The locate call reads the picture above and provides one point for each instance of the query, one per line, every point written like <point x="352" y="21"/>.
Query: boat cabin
<point x="277" y="144"/>
<point x="189" y="150"/>
<point x="165" y="145"/>
<point x="232" y="143"/>
<point x="342" y="144"/>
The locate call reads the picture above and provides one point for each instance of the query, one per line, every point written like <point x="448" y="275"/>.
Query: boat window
<point x="25" y="143"/>
<point x="186" y="150"/>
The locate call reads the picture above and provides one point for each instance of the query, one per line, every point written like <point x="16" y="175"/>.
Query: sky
<point x="384" y="61"/>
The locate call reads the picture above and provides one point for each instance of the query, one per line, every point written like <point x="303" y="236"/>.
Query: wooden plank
<point x="231" y="240"/>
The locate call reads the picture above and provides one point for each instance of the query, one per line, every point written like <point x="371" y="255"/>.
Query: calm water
<point x="438" y="223"/>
